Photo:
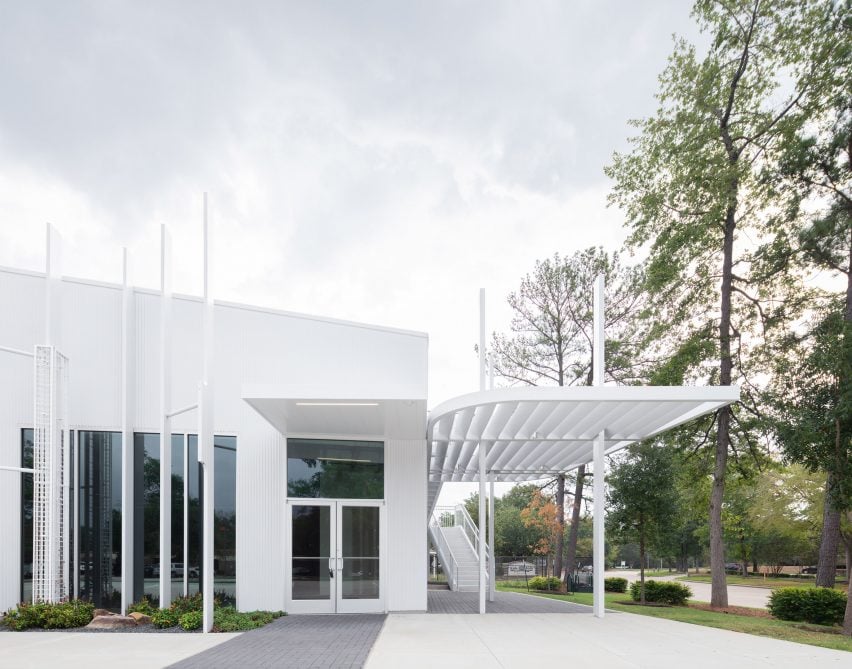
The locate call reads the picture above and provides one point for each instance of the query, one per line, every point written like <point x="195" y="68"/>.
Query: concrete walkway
<point x="619" y="641"/>
<point x="444" y="601"/>
<point x="738" y="595"/>
<point x="78" y="650"/>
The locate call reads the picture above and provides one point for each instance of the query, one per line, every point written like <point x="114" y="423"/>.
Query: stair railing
<point x="471" y="532"/>
<point x="449" y="564"/>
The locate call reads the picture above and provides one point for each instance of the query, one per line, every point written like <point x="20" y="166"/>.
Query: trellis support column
<point x="598" y="526"/>
<point x="492" y="569"/>
<point x="481" y="529"/>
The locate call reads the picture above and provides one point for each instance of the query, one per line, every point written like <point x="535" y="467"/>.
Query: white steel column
<point x="482" y="338"/>
<point x="75" y="445"/>
<point x="127" y="320"/>
<point x="481" y="523"/>
<point x="599" y="448"/>
<point x="185" y="514"/>
<point x="492" y="568"/>
<point x="482" y="457"/>
<point x="206" y="439"/>
<point x="165" y="421"/>
<point x="598" y="530"/>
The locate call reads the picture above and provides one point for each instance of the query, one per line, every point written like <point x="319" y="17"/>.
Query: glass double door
<point x="335" y="557"/>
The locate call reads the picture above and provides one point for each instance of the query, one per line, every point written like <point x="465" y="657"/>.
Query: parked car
<point x="152" y="571"/>
<point x="735" y="567"/>
<point x="809" y="570"/>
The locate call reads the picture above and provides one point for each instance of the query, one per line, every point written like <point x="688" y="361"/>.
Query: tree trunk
<point x="847" y="616"/>
<point x="719" y="584"/>
<point x="560" y="524"/>
<point x="827" y="565"/>
<point x="574" y="530"/>
<point x="641" y="560"/>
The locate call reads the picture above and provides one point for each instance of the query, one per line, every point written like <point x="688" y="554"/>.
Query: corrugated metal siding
<point x="251" y="347"/>
<point x="21" y="325"/>
<point x="405" y="497"/>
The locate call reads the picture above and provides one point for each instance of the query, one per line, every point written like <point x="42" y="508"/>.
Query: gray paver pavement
<point x="322" y="641"/>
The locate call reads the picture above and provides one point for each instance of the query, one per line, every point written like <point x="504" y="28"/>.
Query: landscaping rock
<point x="111" y="621"/>
<point x="102" y="612"/>
<point x="140" y="618"/>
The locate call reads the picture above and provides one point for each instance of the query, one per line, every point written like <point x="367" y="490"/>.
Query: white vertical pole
<point x="598" y="369"/>
<point x="165" y="422"/>
<point x="599" y="450"/>
<point x="185" y="514"/>
<point x="492" y="569"/>
<point x="127" y="319"/>
<point x="598" y="522"/>
<point x="481" y="529"/>
<point x="482" y="338"/>
<point x="76" y="481"/>
<point x="206" y="436"/>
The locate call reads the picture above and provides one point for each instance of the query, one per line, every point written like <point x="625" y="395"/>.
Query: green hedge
<point x="63" y="615"/>
<point x="545" y="583"/>
<point x="228" y="619"/>
<point x="661" y="592"/>
<point x="191" y="620"/>
<point x="820" y="606"/>
<point x="615" y="584"/>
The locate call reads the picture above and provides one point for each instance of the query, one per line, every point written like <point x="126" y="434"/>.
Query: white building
<point x="327" y="464"/>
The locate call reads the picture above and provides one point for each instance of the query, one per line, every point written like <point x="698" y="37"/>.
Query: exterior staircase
<point x="456" y="540"/>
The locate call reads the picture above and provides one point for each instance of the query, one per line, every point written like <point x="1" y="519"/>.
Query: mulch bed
<point x="735" y="610"/>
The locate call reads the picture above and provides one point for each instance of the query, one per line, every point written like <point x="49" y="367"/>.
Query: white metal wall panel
<point x="405" y="497"/>
<point x="21" y="326"/>
<point x="252" y="346"/>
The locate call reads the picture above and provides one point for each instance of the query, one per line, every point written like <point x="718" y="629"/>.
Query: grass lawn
<point x="761" y="626"/>
<point x="758" y="581"/>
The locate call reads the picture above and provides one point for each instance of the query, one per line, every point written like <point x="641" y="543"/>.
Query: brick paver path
<point x="445" y="601"/>
<point x="297" y="642"/>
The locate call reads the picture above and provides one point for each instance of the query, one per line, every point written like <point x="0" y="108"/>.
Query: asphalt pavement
<point x="738" y="595"/>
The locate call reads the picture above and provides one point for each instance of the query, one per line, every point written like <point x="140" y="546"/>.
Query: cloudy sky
<point x="372" y="161"/>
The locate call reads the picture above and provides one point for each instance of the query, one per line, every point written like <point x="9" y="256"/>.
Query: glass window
<point x="26" y="517"/>
<point x="225" y="519"/>
<point x="146" y="539"/>
<point x="335" y="469"/>
<point x="99" y="480"/>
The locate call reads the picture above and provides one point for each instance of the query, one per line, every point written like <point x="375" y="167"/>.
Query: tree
<point x="695" y="191"/>
<point x="817" y="168"/>
<point x="642" y="499"/>
<point x="550" y="341"/>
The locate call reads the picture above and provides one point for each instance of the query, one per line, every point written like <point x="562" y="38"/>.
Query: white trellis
<point x="51" y="476"/>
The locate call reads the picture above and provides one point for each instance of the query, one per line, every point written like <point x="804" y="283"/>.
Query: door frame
<point x="335" y="603"/>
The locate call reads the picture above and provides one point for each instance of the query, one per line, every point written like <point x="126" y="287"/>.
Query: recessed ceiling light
<point x="337" y="404"/>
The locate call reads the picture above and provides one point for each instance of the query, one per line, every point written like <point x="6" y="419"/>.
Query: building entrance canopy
<point x="529" y="433"/>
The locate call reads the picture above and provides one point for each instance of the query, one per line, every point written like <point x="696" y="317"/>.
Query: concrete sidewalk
<point x="620" y="641"/>
<point x="77" y="650"/>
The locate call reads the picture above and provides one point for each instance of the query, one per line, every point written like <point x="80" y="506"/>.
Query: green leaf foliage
<point x="819" y="606"/>
<point x="661" y="592"/>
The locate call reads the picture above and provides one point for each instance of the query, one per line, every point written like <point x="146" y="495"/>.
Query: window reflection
<point x="335" y="469"/>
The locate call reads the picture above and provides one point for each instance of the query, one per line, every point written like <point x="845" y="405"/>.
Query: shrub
<point x="191" y="620"/>
<point x="545" y="583"/>
<point x="163" y="618"/>
<point x="662" y="592"/>
<point x="227" y="619"/>
<point x="819" y="606"/>
<point x="189" y="603"/>
<point x="62" y="615"/>
<point x="615" y="584"/>
<point x="144" y="605"/>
